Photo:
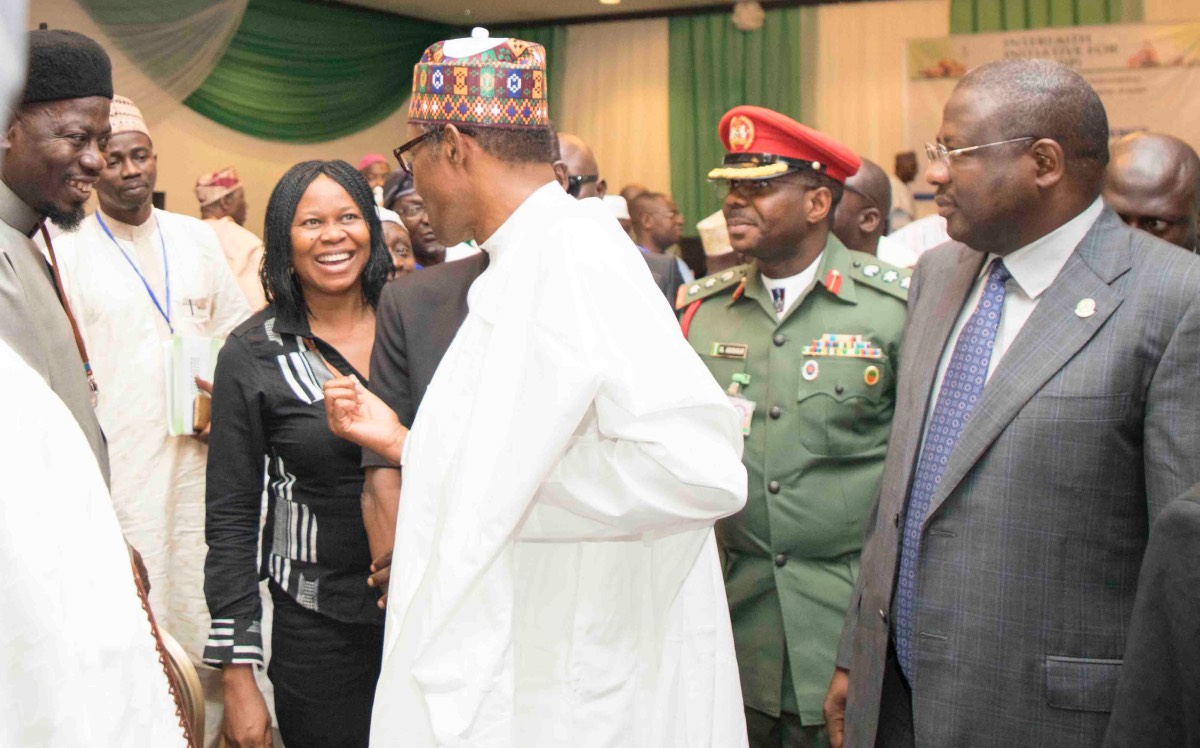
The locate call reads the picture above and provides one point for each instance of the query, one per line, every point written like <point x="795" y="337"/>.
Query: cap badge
<point x="741" y="133"/>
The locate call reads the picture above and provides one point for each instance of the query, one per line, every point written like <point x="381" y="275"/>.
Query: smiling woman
<point x="324" y="266"/>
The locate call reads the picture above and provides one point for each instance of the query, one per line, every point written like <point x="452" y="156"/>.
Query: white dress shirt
<point x="794" y="286"/>
<point x="556" y="579"/>
<point x="1033" y="267"/>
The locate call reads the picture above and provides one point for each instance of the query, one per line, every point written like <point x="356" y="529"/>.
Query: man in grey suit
<point x="53" y="152"/>
<point x="1046" y="413"/>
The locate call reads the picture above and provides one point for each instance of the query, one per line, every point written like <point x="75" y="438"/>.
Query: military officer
<point x="805" y="338"/>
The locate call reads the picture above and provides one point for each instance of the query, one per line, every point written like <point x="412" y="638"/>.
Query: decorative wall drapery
<point x="969" y="16"/>
<point x="175" y="45"/>
<point x="304" y="72"/>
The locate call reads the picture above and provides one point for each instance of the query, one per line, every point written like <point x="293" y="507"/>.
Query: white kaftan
<point x="157" y="480"/>
<point x="78" y="665"/>
<point x="556" y="579"/>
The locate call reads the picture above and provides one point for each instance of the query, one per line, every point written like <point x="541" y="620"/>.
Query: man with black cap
<point x="81" y="667"/>
<point x="53" y="154"/>
<point x="805" y="339"/>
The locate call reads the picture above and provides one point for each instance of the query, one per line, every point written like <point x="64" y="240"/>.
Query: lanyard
<point x="62" y="299"/>
<point x="166" y="313"/>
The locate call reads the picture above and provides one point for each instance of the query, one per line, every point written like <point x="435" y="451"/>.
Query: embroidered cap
<point x="212" y="187"/>
<point x="481" y="81"/>
<point x="763" y="144"/>
<point x="124" y="116"/>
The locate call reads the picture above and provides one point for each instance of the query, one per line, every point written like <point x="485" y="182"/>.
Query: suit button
<point x="781" y="560"/>
<point x="779" y="338"/>
<point x="775" y="411"/>
<point x="839" y="389"/>
<point x="773" y="486"/>
<point x="883" y="616"/>
<point x="896" y="519"/>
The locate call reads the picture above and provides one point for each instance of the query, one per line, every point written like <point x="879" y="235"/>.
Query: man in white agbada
<point x="555" y="579"/>
<point x="79" y="665"/>
<point x="134" y="276"/>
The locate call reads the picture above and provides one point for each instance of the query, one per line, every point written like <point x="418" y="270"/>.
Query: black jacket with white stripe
<point x="268" y="410"/>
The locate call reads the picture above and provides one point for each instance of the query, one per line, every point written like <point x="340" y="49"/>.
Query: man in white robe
<point x="79" y="665"/>
<point x="115" y="268"/>
<point x="556" y="580"/>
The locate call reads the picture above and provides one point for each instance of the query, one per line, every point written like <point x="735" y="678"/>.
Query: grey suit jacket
<point x="33" y="323"/>
<point x="666" y="274"/>
<point x="1029" y="557"/>
<point x="1158" y="701"/>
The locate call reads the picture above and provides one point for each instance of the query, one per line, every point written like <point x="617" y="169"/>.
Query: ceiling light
<point x="610" y="2"/>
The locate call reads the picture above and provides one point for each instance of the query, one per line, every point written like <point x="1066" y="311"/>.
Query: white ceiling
<point x="473" y="12"/>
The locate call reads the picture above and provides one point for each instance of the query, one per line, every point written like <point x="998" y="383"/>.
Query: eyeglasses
<point x="406" y="160"/>
<point x="412" y="210"/>
<point x="576" y="183"/>
<point x="937" y="152"/>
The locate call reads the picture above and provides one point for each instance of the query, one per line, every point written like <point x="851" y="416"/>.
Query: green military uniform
<point x="814" y="456"/>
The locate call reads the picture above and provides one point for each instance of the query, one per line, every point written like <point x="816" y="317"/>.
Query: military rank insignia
<point x="847" y="346"/>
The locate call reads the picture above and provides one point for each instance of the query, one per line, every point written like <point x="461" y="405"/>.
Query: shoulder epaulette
<point x="871" y="271"/>
<point x="702" y="288"/>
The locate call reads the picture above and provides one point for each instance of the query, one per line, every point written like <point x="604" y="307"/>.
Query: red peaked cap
<point x="754" y="129"/>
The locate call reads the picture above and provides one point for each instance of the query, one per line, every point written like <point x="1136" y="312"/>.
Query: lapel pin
<point x="1085" y="308"/>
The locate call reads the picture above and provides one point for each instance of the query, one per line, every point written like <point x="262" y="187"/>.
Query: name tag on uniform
<point x="730" y="350"/>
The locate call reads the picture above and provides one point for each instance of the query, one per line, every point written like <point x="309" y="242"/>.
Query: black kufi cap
<point x="66" y="65"/>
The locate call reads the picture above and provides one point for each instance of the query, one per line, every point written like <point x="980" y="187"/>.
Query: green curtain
<point x="305" y="72"/>
<point x="715" y="67"/>
<point x="970" y="16"/>
<point x="554" y="39"/>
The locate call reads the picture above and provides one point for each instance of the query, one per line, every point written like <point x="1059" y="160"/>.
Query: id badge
<point x="745" y="410"/>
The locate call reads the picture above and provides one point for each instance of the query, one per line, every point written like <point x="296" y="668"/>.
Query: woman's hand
<point x="354" y="414"/>
<point x="247" y="723"/>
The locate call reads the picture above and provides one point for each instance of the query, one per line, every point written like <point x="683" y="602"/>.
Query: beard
<point x="65" y="220"/>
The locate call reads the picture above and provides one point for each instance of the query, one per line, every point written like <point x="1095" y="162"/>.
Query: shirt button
<point x="780" y="559"/>
<point x="775" y="411"/>
<point x="839" y="389"/>
<point x="773" y="486"/>
<point x="779" y="338"/>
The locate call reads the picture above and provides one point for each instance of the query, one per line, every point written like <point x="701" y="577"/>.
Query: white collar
<point x="535" y="208"/>
<point x="1035" y="266"/>
<point x="129" y="232"/>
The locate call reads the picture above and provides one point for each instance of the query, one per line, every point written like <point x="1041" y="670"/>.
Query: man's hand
<point x="205" y="387"/>
<point x="140" y="567"/>
<point x="354" y="414"/>
<point x="835" y="707"/>
<point x="381" y="575"/>
<point x="247" y="723"/>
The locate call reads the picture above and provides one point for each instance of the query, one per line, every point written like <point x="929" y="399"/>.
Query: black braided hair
<point x="280" y="284"/>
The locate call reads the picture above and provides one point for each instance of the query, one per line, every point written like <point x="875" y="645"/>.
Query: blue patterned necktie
<point x="961" y="387"/>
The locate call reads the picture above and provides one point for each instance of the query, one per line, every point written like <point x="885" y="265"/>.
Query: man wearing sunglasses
<point x="1047" y="413"/>
<point x="805" y="340"/>
<point x="555" y="579"/>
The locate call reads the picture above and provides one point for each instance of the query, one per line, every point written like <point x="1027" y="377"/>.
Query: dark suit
<point x="666" y="274"/>
<point x="1158" y="701"/>
<point x="417" y="318"/>
<point x="1030" y="552"/>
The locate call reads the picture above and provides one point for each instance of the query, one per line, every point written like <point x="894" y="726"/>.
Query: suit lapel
<point x="1051" y="336"/>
